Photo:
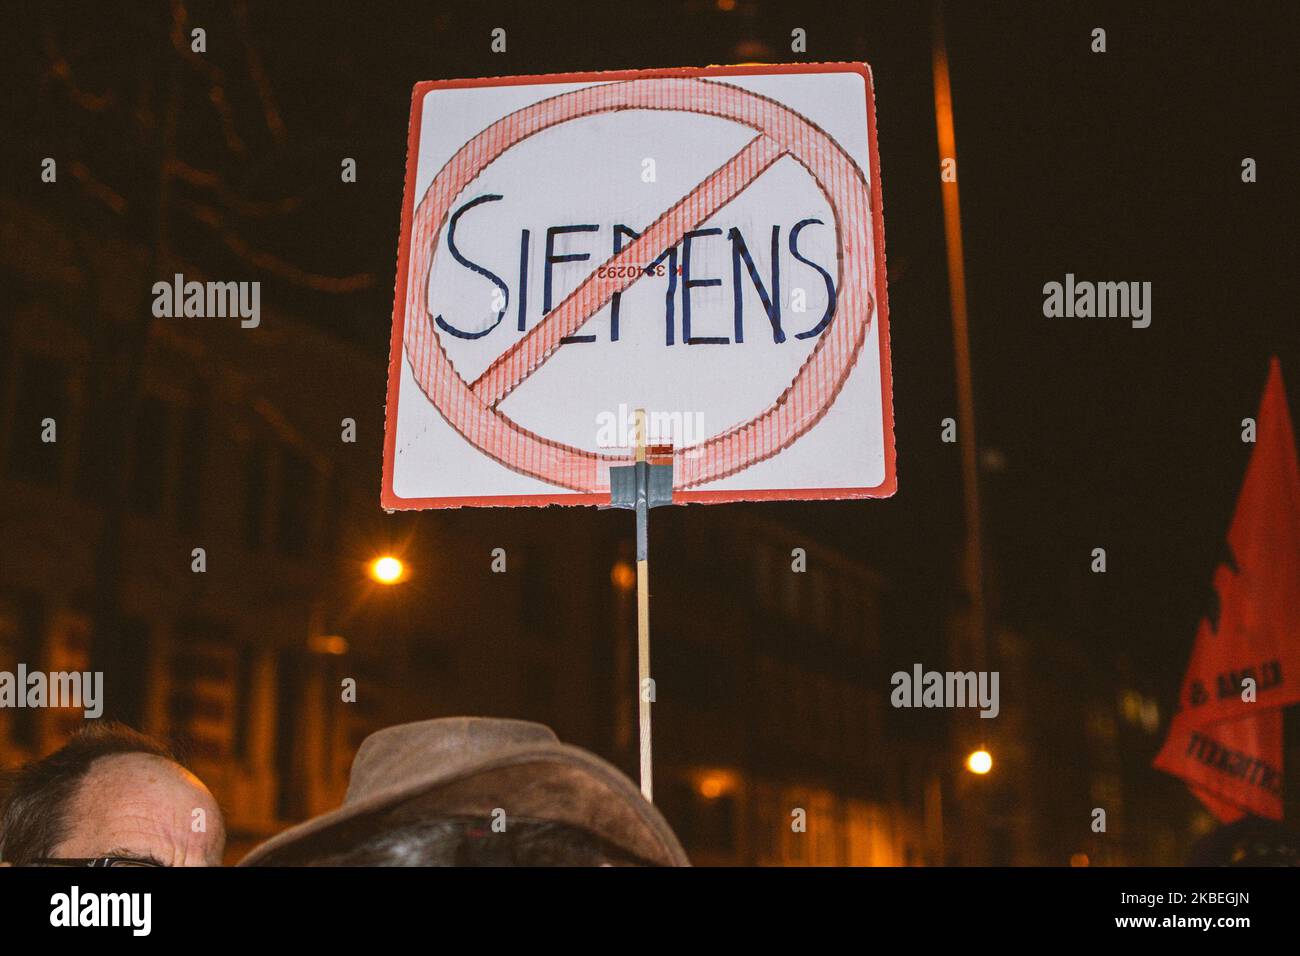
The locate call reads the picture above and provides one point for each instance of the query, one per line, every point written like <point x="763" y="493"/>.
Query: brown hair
<point x="34" y="799"/>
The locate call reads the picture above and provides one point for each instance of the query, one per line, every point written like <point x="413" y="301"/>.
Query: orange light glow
<point x="980" y="762"/>
<point x="711" y="784"/>
<point x="332" y="644"/>
<point x="387" y="570"/>
<point x="623" y="576"/>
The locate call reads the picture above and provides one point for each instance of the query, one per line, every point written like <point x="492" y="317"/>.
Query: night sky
<point x="1122" y="166"/>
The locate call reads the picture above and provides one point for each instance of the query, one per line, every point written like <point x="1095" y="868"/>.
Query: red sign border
<point x="392" y="502"/>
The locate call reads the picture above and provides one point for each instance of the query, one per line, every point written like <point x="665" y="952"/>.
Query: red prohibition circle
<point x="471" y="408"/>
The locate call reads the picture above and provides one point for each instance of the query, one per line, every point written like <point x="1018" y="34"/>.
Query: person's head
<point x="109" y="792"/>
<point x="461" y="841"/>
<point x="477" y="791"/>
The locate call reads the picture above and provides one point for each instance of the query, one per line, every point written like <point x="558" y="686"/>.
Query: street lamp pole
<point x="969" y="649"/>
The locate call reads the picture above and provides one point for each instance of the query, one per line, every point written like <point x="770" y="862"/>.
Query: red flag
<point x="1227" y="747"/>
<point x="1232" y="766"/>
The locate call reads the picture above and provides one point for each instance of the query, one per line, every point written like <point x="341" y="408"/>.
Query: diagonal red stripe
<point x="523" y="358"/>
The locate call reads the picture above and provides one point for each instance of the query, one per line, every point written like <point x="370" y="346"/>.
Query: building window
<point x="202" y="704"/>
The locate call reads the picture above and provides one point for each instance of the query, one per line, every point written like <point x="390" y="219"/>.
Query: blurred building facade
<point x="774" y="739"/>
<point x="270" y="664"/>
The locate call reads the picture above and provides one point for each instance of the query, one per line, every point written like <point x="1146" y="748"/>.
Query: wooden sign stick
<point x="643" y="616"/>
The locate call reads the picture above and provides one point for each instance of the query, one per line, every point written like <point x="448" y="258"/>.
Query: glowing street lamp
<point x="623" y="576"/>
<point x="980" y="762"/>
<point x="712" y="784"/>
<point x="387" y="570"/>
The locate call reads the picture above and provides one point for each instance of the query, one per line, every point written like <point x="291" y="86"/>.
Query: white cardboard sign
<point x="704" y="244"/>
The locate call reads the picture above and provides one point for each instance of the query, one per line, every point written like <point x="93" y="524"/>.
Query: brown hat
<point x="469" y="766"/>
